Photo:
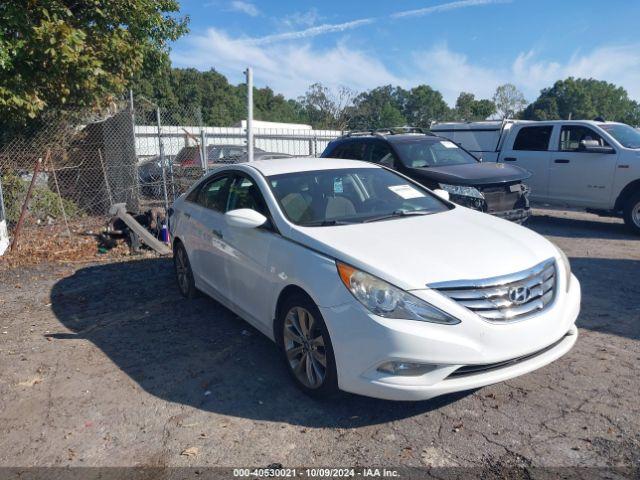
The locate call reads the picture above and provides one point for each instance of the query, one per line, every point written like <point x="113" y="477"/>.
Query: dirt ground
<point x="106" y="365"/>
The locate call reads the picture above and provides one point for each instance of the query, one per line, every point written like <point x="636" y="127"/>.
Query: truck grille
<point x="505" y="298"/>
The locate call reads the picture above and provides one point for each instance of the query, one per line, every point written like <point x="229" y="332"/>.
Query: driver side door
<point x="249" y="249"/>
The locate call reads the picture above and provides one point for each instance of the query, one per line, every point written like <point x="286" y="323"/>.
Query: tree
<point x="508" y="101"/>
<point x="581" y="98"/>
<point x="325" y="108"/>
<point x="57" y="54"/>
<point x="424" y="105"/>
<point x="378" y="108"/>
<point x="469" y="109"/>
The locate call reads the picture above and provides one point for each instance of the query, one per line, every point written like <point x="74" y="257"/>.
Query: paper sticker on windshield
<point x="337" y="185"/>
<point x="406" y="191"/>
<point x="448" y="144"/>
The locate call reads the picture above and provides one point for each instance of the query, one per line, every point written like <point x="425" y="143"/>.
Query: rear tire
<point x="632" y="213"/>
<point x="184" y="274"/>
<point x="306" y="347"/>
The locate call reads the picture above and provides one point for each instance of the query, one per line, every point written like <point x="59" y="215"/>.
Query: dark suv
<point x="436" y="162"/>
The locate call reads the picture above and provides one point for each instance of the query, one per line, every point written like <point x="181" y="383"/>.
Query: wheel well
<point x="626" y="193"/>
<point x="286" y="292"/>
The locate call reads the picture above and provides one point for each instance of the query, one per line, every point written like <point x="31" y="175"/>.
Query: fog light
<point x="406" y="368"/>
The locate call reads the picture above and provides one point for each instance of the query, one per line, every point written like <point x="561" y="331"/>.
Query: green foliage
<point x="469" y="109"/>
<point x="581" y="98"/>
<point x="424" y="105"/>
<point x="44" y="202"/>
<point x="508" y="101"/>
<point x="57" y="54"/>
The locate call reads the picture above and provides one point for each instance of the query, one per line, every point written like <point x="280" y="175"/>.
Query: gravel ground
<point x="106" y="365"/>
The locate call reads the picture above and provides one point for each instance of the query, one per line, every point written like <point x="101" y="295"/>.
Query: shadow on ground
<point x="178" y="349"/>
<point x="568" y="227"/>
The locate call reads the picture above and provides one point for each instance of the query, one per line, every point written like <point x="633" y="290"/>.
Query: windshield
<point x="427" y="153"/>
<point x="625" y="135"/>
<point x="341" y="196"/>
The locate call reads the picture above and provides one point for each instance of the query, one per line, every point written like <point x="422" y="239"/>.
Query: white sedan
<point x="371" y="283"/>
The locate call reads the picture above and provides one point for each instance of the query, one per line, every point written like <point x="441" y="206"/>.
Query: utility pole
<point x="249" y="73"/>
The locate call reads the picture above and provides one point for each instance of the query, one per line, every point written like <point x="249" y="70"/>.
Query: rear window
<point x="350" y="151"/>
<point x="533" y="138"/>
<point x="474" y="140"/>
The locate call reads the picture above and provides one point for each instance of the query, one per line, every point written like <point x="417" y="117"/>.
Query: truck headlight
<point x="385" y="300"/>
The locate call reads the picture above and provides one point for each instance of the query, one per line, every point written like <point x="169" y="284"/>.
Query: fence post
<point x="25" y="205"/>
<point x="204" y="161"/>
<point x="162" y="163"/>
<point x="249" y="74"/>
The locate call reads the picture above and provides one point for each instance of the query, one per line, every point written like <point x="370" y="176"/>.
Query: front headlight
<point x="385" y="300"/>
<point x="567" y="267"/>
<point x="462" y="191"/>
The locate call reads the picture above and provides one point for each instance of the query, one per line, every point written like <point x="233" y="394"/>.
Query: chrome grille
<point x="506" y="298"/>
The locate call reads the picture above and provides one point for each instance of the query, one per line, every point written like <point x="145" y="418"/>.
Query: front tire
<point x="632" y="213"/>
<point x="307" y="348"/>
<point x="184" y="273"/>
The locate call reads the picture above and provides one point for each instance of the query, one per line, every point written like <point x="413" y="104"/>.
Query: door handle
<point x="561" y="160"/>
<point x="510" y="159"/>
<point x="216" y="233"/>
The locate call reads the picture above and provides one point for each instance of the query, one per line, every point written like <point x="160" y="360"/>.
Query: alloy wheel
<point x="305" y="348"/>
<point x="635" y="214"/>
<point x="182" y="270"/>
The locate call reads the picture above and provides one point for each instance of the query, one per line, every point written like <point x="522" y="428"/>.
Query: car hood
<point x="411" y="252"/>
<point x="472" y="174"/>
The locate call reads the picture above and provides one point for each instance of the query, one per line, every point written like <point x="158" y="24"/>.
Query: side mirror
<point x="593" y="146"/>
<point x="244" y="218"/>
<point x="443" y="194"/>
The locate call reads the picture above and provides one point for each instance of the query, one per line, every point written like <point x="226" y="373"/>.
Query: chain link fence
<point x="132" y="152"/>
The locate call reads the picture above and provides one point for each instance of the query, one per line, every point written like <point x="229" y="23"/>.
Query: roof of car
<point x="305" y="164"/>
<point x="495" y="125"/>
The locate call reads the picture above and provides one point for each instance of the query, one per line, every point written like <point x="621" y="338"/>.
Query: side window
<point x="213" y="195"/>
<point x="533" y="138"/>
<point x="351" y="151"/>
<point x="381" y="153"/>
<point x="572" y="135"/>
<point x="245" y="193"/>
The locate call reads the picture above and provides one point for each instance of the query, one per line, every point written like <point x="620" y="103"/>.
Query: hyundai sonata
<point x="371" y="283"/>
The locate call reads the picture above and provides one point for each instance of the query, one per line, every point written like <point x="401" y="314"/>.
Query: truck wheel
<point x="632" y="213"/>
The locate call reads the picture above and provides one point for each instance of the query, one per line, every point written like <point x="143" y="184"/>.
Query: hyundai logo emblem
<point x="519" y="295"/>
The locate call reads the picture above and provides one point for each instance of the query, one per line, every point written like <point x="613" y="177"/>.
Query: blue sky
<point x="452" y="45"/>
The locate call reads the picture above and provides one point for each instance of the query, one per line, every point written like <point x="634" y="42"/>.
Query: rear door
<point x="529" y="149"/>
<point x="579" y="177"/>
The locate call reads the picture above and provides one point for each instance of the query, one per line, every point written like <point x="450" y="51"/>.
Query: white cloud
<point x="452" y="73"/>
<point x="341" y="27"/>
<point x="287" y="68"/>
<point x="290" y="67"/>
<point x="445" y="7"/>
<point x="301" y="19"/>
<point x="616" y="64"/>
<point x="310" y="32"/>
<point x="244" y="7"/>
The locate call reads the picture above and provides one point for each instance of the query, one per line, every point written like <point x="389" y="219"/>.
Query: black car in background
<point x="436" y="162"/>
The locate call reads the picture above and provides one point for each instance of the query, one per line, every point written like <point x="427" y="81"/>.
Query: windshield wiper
<point x="326" y="223"/>
<point x="398" y="213"/>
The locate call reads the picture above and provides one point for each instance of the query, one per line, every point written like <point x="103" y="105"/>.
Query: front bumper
<point x="363" y="341"/>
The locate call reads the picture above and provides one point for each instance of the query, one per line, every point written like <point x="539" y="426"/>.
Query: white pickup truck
<point x="594" y="165"/>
